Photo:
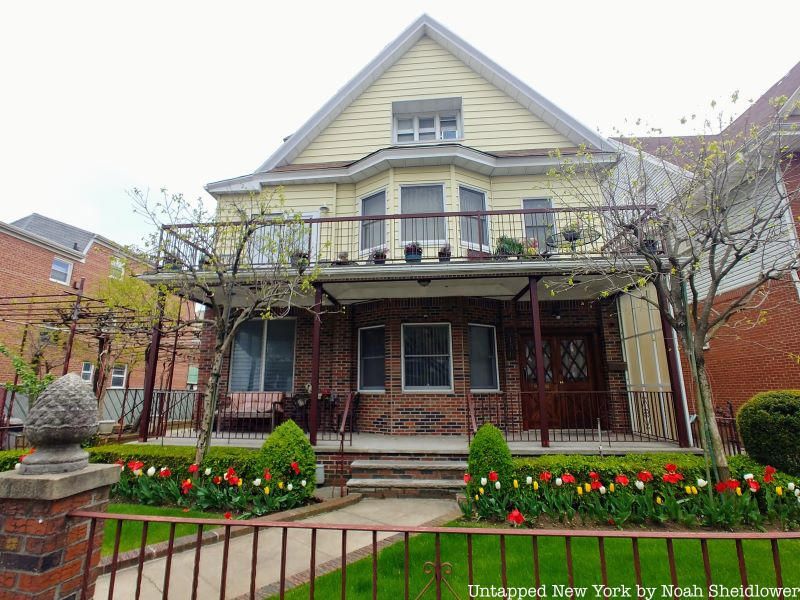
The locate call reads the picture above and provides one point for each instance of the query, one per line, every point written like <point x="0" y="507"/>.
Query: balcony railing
<point x="467" y="236"/>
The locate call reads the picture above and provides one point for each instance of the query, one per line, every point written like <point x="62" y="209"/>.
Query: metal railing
<point x="461" y="236"/>
<point x="429" y="562"/>
<point x="726" y="423"/>
<point x="586" y="416"/>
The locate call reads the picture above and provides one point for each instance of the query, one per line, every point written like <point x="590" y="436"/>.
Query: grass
<point x="131" y="537"/>
<point x="553" y="566"/>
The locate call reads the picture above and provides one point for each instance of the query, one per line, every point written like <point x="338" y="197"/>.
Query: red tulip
<point x="720" y="487"/>
<point x="186" y="486"/>
<point x="545" y="476"/>
<point x="568" y="478"/>
<point x="267" y="475"/>
<point x="672" y="477"/>
<point x="467" y="478"/>
<point x="193" y="468"/>
<point x="492" y="476"/>
<point x="228" y="515"/>
<point x="515" y="518"/>
<point x="596" y="484"/>
<point x="621" y="479"/>
<point x="671" y="468"/>
<point x="644" y="476"/>
<point x="754" y="485"/>
<point x="296" y="468"/>
<point x="165" y="472"/>
<point x="732" y="484"/>
<point x="768" y="474"/>
<point x="594" y="475"/>
<point x="217" y="480"/>
<point x="233" y="480"/>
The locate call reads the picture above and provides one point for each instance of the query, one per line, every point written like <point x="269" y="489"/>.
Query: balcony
<point x="480" y="236"/>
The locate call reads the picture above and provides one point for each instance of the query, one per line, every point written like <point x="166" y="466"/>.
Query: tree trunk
<point x="209" y="404"/>
<point x="706" y="405"/>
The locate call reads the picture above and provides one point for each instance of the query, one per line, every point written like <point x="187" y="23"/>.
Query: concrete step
<point x="404" y="487"/>
<point x="408" y="469"/>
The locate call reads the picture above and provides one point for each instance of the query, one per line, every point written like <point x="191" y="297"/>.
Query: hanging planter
<point x="413" y="252"/>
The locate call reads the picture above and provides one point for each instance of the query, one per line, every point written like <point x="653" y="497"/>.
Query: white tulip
<point x="138" y="472"/>
<point x="289" y="487"/>
<point x="791" y="486"/>
<point x="747" y="476"/>
<point x="303" y="483"/>
<point x="529" y="480"/>
<point x="602" y="489"/>
<point x="207" y="472"/>
<point x="559" y="481"/>
<point x="257" y="482"/>
<point x="701" y="483"/>
<point x="483" y="481"/>
<point x="18" y="466"/>
<point x="151" y="471"/>
<point x="797" y="492"/>
<point x="497" y="485"/>
<point x="639" y="485"/>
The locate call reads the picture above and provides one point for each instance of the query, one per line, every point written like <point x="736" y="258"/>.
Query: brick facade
<point x="412" y="413"/>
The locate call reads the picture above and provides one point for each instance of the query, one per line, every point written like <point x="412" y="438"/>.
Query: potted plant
<point x="342" y="259"/>
<point x="444" y="253"/>
<point x="508" y="246"/>
<point x="378" y="256"/>
<point x="413" y="252"/>
<point x="571" y="231"/>
<point x="531" y="249"/>
<point x="299" y="260"/>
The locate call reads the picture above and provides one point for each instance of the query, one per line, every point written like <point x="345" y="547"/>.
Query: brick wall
<point x="400" y="413"/>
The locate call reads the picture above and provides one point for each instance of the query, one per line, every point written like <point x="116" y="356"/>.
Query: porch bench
<point x="251" y="410"/>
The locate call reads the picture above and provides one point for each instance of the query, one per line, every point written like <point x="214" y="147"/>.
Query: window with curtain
<point x="371" y="358"/>
<point x="538" y="226"/>
<point x="373" y="233"/>
<point x="483" y="358"/>
<point x="423" y="199"/>
<point x="474" y="230"/>
<point x="259" y="364"/>
<point x="427" y="357"/>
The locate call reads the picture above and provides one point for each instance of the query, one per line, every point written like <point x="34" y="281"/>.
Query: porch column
<point x="537" y="342"/>
<point x="674" y="369"/>
<point x="315" y="332"/>
<point x="150" y="371"/>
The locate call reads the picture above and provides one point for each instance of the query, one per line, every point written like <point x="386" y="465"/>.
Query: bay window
<point x="474" y="230"/>
<point x="373" y="233"/>
<point x="423" y="199"/>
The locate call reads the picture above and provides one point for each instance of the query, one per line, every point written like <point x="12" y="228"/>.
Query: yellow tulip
<point x="587" y="488"/>
<point x="611" y="487"/>
<point x="579" y="489"/>
<point x="266" y="490"/>
<point x="779" y="491"/>
<point x="535" y="486"/>
<point x="280" y="485"/>
<point x="659" y="500"/>
<point x="516" y="484"/>
<point x="694" y="491"/>
<point x="240" y="483"/>
<point x="476" y="497"/>
<point x="688" y="490"/>
<point x="738" y="491"/>
<point x="481" y="491"/>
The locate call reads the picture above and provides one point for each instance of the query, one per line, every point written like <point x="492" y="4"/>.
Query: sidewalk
<point x="411" y="512"/>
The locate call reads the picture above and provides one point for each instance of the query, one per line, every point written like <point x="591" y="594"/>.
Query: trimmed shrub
<point x="489" y="452"/>
<point x="769" y="424"/>
<point x="9" y="458"/>
<point x="288" y="456"/>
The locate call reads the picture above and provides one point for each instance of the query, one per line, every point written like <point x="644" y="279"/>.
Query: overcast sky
<point x="98" y="97"/>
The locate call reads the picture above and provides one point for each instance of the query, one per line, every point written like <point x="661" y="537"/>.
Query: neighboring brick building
<point x="43" y="256"/>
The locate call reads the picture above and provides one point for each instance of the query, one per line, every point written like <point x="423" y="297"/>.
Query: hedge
<point x="489" y="452"/>
<point x="287" y="446"/>
<point x="769" y="424"/>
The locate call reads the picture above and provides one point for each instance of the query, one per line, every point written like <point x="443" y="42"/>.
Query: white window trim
<point x="363" y="253"/>
<point x="496" y="361"/>
<point x="437" y="127"/>
<point x="358" y="366"/>
<point x="91" y="371"/>
<point x="417" y="390"/>
<point x="472" y="246"/>
<point x="69" y="270"/>
<point x="438" y="242"/>
<point x="111" y="385"/>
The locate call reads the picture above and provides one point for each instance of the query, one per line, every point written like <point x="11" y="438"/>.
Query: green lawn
<point x="552" y="556"/>
<point x="156" y="532"/>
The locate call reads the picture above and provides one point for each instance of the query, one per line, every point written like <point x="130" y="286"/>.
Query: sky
<point x="97" y="98"/>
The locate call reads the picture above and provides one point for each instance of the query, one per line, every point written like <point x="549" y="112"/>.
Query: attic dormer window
<point x="434" y="120"/>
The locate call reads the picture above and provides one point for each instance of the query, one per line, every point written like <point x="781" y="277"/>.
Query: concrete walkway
<point x="410" y="512"/>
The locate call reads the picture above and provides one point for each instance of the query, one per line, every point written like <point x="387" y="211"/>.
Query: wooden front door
<point x="569" y="379"/>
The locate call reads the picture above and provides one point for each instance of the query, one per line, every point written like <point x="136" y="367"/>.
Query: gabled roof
<point x="57" y="232"/>
<point x="551" y="114"/>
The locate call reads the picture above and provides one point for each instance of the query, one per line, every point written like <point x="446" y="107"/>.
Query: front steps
<point x="407" y="478"/>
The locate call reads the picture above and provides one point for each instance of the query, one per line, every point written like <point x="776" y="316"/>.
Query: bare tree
<point x="248" y="260"/>
<point x="690" y="218"/>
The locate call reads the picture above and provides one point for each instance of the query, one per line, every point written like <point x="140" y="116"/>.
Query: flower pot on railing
<point x="413" y="252"/>
<point x="378" y="256"/>
<point x="508" y="246"/>
<point x="571" y="232"/>
<point x="444" y="253"/>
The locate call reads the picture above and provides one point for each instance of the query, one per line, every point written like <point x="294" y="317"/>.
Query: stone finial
<point x="64" y="415"/>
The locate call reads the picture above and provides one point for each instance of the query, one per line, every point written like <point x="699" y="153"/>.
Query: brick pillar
<point x="42" y="550"/>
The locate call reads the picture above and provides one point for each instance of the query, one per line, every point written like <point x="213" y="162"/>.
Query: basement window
<point x="420" y="121"/>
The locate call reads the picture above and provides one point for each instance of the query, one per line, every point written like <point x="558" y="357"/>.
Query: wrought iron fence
<point x="726" y="423"/>
<point x="261" y="558"/>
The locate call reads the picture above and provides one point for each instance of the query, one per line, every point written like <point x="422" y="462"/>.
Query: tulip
<point x="779" y="491"/>
<point x="579" y="489"/>
<point x="602" y="489"/>
<point x="515" y="518"/>
<point x="497" y="485"/>
<point x="694" y="491"/>
<point x="484" y="481"/>
<point x="151" y="471"/>
<point x="611" y="487"/>
<point x="536" y="486"/>
<point x="303" y="482"/>
<point x="493" y="476"/>
<point x="797" y="492"/>
<point x="688" y="490"/>
<point x="467" y="478"/>
<point x="17" y="466"/>
<point x="480" y="491"/>
<point x="659" y="501"/>
<point x="747" y="476"/>
<point x="193" y="468"/>
<point x="228" y="515"/>
<point x="516" y="484"/>
<point x="476" y="497"/>
<point x="207" y="472"/>
<point x="290" y="487"/>
<point x="791" y="486"/>
<point x="639" y="485"/>
<point x="280" y="485"/>
<point x="738" y="491"/>
<point x="138" y="472"/>
<point x="257" y="482"/>
<point x="559" y="482"/>
<point x="701" y="483"/>
<point x="239" y="482"/>
<point x="529" y="480"/>
<point x="266" y="490"/>
<point x="587" y="488"/>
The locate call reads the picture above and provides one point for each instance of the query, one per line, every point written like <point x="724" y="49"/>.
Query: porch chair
<point x="250" y="409"/>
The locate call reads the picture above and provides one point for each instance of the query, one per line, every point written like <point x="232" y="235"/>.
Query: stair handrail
<point x="472" y="424"/>
<point x="342" y="428"/>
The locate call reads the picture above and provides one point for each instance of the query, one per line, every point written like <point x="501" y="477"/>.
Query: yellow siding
<point x="643" y="341"/>
<point x="492" y="120"/>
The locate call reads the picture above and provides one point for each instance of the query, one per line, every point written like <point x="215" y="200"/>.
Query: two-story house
<point x="438" y="231"/>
